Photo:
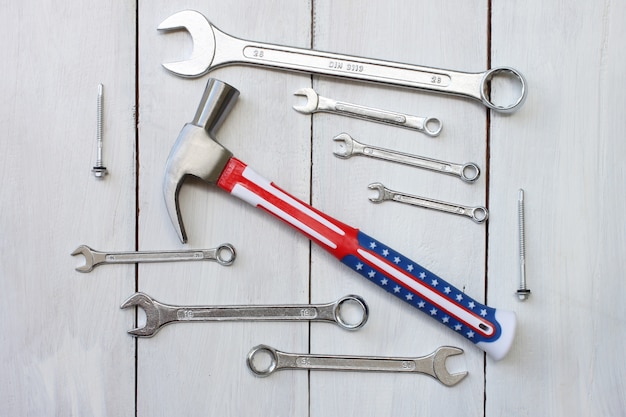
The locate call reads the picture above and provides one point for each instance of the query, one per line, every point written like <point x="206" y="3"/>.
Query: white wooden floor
<point x="65" y="350"/>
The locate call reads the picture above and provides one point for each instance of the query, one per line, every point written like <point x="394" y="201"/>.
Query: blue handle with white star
<point x="490" y="329"/>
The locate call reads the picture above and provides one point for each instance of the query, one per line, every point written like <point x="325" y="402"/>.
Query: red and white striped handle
<point x="490" y="329"/>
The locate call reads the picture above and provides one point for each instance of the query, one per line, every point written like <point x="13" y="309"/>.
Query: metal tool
<point x="478" y="214"/>
<point x="224" y="254"/>
<point x="159" y="314"/>
<point x="316" y="103"/>
<point x="213" y="48"/>
<point x="99" y="170"/>
<point x="197" y="153"/>
<point x="523" y="292"/>
<point x="348" y="147"/>
<point x="433" y="364"/>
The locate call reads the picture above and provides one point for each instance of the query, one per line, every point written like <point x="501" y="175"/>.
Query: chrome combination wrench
<point x="347" y="147"/>
<point x="213" y="48"/>
<point x="224" y="254"/>
<point x="159" y="314"/>
<point x="477" y="214"/>
<point x="430" y="126"/>
<point x="433" y="364"/>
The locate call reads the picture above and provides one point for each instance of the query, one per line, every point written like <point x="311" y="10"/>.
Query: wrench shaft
<point x="348" y="363"/>
<point x="256" y="313"/>
<point x="164" y="256"/>
<point x="325" y="63"/>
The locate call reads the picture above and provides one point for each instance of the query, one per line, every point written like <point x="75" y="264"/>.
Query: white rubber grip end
<point x="500" y="347"/>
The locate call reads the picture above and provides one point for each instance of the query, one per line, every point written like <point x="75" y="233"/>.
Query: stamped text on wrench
<point x="213" y="48"/>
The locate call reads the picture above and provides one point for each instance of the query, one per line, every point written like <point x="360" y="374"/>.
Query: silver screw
<point x="523" y="292"/>
<point x="99" y="170"/>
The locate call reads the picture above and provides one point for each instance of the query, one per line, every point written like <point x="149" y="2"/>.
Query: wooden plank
<point x="201" y="368"/>
<point x="451" y="246"/>
<point x="64" y="348"/>
<point x="565" y="148"/>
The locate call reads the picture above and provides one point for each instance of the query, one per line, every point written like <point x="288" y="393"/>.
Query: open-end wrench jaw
<point x="87" y="252"/>
<point x="439" y="366"/>
<point x="312" y="100"/>
<point x="381" y="192"/>
<point x="203" y="38"/>
<point x="345" y="146"/>
<point x="153" y="316"/>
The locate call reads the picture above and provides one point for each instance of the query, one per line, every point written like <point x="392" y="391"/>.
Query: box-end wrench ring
<point x="348" y="146"/>
<point x="213" y="48"/>
<point x="433" y="364"/>
<point x="430" y="126"/>
<point x="224" y="255"/>
<point x="477" y="214"/>
<point x="159" y="314"/>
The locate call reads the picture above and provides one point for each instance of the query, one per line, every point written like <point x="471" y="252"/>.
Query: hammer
<point x="197" y="153"/>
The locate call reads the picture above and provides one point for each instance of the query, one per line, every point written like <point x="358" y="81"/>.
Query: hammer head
<point x="196" y="152"/>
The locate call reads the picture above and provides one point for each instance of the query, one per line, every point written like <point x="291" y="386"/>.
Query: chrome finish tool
<point x="159" y="314"/>
<point x="433" y="364"/>
<point x="213" y="48"/>
<point x="224" y="254"/>
<point x="431" y="126"/>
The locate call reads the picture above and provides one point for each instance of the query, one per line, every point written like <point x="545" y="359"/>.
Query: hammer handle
<point x="490" y="329"/>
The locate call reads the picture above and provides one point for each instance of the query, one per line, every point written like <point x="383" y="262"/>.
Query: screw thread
<point x="522" y="239"/>
<point x="99" y="126"/>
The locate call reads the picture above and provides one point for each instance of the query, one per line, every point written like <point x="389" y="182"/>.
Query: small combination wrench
<point x="477" y="214"/>
<point x="431" y="126"/>
<point x="159" y="314"/>
<point x="213" y="48"/>
<point x="347" y="147"/>
<point x="224" y="254"/>
<point x="433" y="364"/>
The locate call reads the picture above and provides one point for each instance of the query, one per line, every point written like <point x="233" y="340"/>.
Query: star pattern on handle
<point x="423" y="276"/>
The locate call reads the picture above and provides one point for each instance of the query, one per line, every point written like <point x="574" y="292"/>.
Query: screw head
<point x="523" y="294"/>
<point x="99" y="171"/>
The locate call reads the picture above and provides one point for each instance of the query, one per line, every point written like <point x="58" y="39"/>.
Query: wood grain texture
<point x="565" y="149"/>
<point x="451" y="246"/>
<point x="64" y="351"/>
<point x="201" y="369"/>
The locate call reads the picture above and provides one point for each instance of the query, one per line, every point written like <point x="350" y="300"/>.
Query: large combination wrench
<point x="213" y="48"/>
<point x="159" y="314"/>
<point x="468" y="172"/>
<point x="433" y="364"/>
<point x="224" y="254"/>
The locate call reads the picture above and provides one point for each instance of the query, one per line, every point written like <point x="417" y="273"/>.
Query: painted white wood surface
<point x="566" y="149"/>
<point x="65" y="350"/>
<point x="451" y="246"/>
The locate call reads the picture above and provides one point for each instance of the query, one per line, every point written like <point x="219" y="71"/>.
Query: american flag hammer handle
<point x="490" y="329"/>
